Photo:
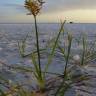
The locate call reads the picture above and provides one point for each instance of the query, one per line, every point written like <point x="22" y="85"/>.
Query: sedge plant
<point x="89" y="52"/>
<point x="64" y="86"/>
<point x="22" y="46"/>
<point x="61" y="30"/>
<point x="42" y="81"/>
<point x="69" y="80"/>
<point x="34" y="7"/>
<point x="84" y="50"/>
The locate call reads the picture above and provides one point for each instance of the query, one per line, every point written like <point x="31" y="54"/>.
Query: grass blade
<point x="54" y="47"/>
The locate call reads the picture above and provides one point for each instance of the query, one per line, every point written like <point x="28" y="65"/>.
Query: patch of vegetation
<point x="48" y="83"/>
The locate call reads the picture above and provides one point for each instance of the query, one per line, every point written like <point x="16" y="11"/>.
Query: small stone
<point x="10" y="81"/>
<point x="76" y="58"/>
<point x="1" y="49"/>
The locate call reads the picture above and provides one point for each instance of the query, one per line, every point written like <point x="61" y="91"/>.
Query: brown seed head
<point x="34" y="6"/>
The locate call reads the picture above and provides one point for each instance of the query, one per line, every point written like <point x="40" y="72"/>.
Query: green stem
<point x="37" y="44"/>
<point x="68" y="53"/>
<point x="83" y="55"/>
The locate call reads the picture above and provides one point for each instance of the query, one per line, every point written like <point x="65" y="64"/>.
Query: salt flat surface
<point x="10" y="34"/>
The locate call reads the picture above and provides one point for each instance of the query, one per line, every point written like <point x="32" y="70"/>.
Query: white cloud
<point x="64" y="5"/>
<point x="53" y="10"/>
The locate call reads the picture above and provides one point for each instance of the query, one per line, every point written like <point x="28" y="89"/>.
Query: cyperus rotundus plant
<point x="34" y="7"/>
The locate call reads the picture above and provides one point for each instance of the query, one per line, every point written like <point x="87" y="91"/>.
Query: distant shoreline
<point x="47" y="23"/>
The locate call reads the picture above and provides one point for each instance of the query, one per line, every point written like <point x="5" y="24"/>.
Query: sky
<point x="79" y="11"/>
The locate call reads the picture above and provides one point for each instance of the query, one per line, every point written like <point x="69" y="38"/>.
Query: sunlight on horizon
<point x="14" y="11"/>
<point x="78" y="16"/>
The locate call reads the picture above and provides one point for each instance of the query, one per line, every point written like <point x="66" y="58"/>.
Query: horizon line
<point x="46" y="23"/>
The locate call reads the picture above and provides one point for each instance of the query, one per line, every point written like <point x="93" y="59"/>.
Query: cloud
<point x="66" y="5"/>
<point x="52" y="9"/>
<point x="57" y="5"/>
<point x="17" y="8"/>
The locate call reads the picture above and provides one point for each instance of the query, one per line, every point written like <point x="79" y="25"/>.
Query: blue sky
<point x="53" y="11"/>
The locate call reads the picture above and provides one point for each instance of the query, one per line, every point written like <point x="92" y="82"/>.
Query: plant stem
<point x="83" y="54"/>
<point x="37" y="44"/>
<point x="68" y="53"/>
